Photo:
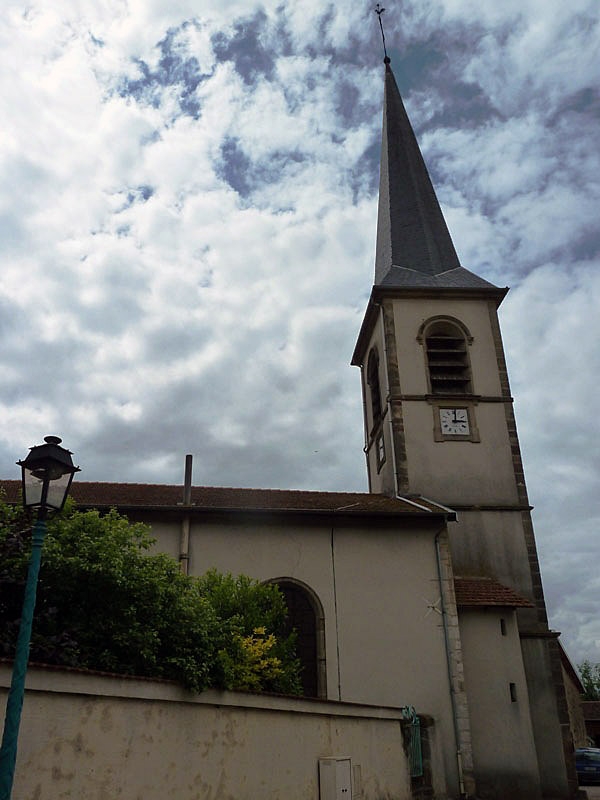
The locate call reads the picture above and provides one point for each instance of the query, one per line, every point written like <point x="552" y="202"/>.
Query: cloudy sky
<point x="187" y="226"/>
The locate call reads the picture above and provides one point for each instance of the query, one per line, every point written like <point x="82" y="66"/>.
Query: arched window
<point x="447" y="358"/>
<point x="374" y="388"/>
<point x="305" y="616"/>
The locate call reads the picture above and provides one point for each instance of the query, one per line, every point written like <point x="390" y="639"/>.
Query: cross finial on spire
<point x="379" y="11"/>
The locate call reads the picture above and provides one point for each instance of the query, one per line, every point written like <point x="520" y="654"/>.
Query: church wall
<point x="474" y="314"/>
<point x="503" y="750"/>
<point x="453" y="472"/>
<point x="483" y="472"/>
<point x="459" y="472"/>
<point x="267" y="551"/>
<point x="384" y="643"/>
<point x="390" y="641"/>
<point x="491" y="544"/>
<point x="576" y="718"/>
<point x="98" y="738"/>
<point x="381" y="477"/>
<point x="553" y="751"/>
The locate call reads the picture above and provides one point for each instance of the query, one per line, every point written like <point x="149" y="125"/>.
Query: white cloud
<point x="554" y="355"/>
<point x="187" y="219"/>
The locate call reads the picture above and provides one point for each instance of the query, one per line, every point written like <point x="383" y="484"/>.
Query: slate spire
<point x="414" y="247"/>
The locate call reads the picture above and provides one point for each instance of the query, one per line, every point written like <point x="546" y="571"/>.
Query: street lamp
<point x="47" y="473"/>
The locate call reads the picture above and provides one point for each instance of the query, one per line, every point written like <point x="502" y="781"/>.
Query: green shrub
<point x="105" y="603"/>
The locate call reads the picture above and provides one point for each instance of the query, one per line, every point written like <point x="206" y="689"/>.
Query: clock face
<point x="454" y="421"/>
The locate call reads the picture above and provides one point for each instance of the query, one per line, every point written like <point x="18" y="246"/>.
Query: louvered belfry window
<point x="373" y="382"/>
<point x="447" y="359"/>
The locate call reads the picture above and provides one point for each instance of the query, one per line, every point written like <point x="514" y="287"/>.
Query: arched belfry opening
<point x="305" y="616"/>
<point x="375" y="389"/>
<point x="447" y="343"/>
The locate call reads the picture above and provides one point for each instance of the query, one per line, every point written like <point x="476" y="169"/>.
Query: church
<point x="425" y="593"/>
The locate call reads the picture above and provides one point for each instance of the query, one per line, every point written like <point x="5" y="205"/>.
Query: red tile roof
<point x="156" y="496"/>
<point x="487" y="592"/>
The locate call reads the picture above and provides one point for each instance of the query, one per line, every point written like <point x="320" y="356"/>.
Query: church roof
<point x="458" y="278"/>
<point x="487" y="592"/>
<point x="140" y="496"/>
<point x="414" y="246"/>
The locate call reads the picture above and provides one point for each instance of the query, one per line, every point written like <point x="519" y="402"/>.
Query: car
<point x="587" y="764"/>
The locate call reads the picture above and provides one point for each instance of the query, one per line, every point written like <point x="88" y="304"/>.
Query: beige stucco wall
<point x="381" y="479"/>
<point x="99" y="738"/>
<point x="484" y="468"/>
<point x="503" y="750"/>
<point x="460" y="472"/>
<point x="384" y="645"/>
<point x="491" y="544"/>
<point x="408" y="318"/>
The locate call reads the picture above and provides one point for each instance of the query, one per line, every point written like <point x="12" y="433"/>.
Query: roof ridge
<point x="209" y="486"/>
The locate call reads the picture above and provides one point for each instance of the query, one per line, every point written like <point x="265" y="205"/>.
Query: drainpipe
<point x="184" y="540"/>
<point x="459" y="763"/>
<point x="365" y="423"/>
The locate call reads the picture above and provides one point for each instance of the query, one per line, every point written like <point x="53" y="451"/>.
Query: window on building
<point x="374" y="388"/>
<point x="305" y="617"/>
<point x="447" y="359"/>
<point x="380" y="446"/>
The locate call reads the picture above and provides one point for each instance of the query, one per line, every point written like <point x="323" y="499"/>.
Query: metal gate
<point x="413" y="738"/>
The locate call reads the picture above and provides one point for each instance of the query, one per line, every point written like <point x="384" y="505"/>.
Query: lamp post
<point x="47" y="473"/>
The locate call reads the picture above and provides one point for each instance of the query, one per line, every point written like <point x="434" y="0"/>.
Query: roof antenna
<point x="379" y="11"/>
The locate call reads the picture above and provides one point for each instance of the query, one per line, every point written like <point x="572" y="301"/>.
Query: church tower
<point x="438" y="414"/>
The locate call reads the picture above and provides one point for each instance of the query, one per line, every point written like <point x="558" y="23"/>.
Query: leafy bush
<point x="105" y="603"/>
<point x="590" y="678"/>
<point x="246" y="610"/>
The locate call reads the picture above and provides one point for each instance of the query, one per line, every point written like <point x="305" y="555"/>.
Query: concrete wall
<point x="503" y="749"/>
<point x="90" y="737"/>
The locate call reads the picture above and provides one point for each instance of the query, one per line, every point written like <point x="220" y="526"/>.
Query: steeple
<point x="414" y="247"/>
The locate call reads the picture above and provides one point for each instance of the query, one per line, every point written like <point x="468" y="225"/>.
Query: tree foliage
<point x="590" y="678"/>
<point x="106" y="603"/>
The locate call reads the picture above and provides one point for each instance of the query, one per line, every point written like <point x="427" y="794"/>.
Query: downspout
<point x="365" y="422"/>
<point x="184" y="539"/>
<point x="335" y="608"/>
<point x="459" y="763"/>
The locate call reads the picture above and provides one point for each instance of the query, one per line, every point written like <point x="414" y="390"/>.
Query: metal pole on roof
<point x="184" y="541"/>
